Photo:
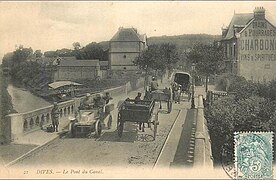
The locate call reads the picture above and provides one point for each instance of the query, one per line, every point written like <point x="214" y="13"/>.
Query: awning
<point x="59" y="84"/>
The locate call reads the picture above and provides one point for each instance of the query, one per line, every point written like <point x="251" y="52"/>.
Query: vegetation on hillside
<point x="185" y="41"/>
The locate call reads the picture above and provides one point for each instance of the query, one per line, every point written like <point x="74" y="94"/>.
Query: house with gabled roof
<point x="249" y="44"/>
<point x="124" y="47"/>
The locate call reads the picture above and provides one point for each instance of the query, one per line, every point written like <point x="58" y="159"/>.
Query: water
<point x="24" y="101"/>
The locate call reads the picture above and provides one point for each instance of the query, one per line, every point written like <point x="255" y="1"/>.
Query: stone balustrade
<point x="17" y="124"/>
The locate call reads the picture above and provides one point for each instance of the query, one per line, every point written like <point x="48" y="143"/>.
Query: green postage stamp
<point x="253" y="155"/>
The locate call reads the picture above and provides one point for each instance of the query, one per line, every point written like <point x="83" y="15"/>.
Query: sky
<point x="55" y="25"/>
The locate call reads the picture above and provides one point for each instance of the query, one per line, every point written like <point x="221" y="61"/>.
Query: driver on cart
<point x="153" y="84"/>
<point x="107" y="97"/>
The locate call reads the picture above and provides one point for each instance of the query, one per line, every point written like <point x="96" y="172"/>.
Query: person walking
<point x="55" y="117"/>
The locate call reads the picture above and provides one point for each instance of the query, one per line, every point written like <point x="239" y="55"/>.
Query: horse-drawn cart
<point x="140" y="112"/>
<point x="159" y="95"/>
<point x="182" y="80"/>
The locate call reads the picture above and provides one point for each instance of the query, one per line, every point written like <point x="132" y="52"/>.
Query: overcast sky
<point x="54" y="25"/>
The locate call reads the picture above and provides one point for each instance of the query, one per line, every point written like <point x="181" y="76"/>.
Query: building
<point x="77" y="69"/>
<point x="250" y="46"/>
<point x="124" y="47"/>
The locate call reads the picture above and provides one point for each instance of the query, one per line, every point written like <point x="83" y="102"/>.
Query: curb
<point x="24" y="156"/>
<point x="160" y="160"/>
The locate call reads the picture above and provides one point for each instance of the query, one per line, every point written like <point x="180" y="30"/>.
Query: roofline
<point x="247" y="25"/>
<point x="132" y="29"/>
<point x="252" y="21"/>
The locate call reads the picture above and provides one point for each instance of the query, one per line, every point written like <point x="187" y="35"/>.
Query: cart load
<point x="142" y="111"/>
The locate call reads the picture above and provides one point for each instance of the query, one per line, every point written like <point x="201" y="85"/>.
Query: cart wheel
<point x="109" y="122"/>
<point x="120" y="129"/>
<point x="98" y="129"/>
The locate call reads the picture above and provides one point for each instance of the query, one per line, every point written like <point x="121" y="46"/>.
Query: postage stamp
<point x="253" y="155"/>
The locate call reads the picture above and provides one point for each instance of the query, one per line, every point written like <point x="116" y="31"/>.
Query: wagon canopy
<point x="182" y="78"/>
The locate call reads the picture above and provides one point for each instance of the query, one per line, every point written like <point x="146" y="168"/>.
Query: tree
<point x="93" y="51"/>
<point x="76" y="45"/>
<point x="208" y="60"/>
<point x="50" y="54"/>
<point x="147" y="60"/>
<point x="169" y="56"/>
<point x="38" y="53"/>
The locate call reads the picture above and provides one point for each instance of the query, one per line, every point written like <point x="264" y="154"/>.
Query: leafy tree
<point x="208" y="59"/>
<point x="169" y="56"/>
<point x="38" y="53"/>
<point x="93" y="51"/>
<point x="50" y="54"/>
<point x="76" y="45"/>
<point x="147" y="60"/>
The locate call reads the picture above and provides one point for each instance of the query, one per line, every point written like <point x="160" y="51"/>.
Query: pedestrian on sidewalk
<point x="55" y="116"/>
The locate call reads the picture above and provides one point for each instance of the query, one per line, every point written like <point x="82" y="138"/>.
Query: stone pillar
<point x="13" y="126"/>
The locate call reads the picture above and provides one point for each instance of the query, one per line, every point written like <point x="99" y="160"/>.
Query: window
<point x="124" y="56"/>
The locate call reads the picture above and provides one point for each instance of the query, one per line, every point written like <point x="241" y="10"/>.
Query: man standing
<point x="55" y="117"/>
<point x="154" y="84"/>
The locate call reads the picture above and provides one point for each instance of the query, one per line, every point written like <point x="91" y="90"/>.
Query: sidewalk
<point x="40" y="137"/>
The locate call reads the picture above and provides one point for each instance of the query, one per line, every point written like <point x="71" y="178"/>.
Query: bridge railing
<point x="214" y="95"/>
<point x="203" y="152"/>
<point x="18" y="124"/>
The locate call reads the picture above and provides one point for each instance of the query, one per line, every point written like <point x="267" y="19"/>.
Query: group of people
<point x="98" y="102"/>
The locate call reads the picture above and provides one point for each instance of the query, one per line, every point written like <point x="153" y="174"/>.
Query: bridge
<point x="182" y="137"/>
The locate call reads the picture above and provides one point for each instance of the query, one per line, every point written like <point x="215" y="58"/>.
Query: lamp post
<point x="193" y="87"/>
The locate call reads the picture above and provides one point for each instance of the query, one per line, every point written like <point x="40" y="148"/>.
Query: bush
<point x="250" y="108"/>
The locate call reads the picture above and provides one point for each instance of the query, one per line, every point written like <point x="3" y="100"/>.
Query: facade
<point x="124" y="47"/>
<point x="250" y="46"/>
<point x="77" y="69"/>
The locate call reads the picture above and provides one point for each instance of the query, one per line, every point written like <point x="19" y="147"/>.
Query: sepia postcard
<point x="137" y="89"/>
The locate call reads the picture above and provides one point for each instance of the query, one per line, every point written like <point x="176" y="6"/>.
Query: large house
<point x="250" y="46"/>
<point x="124" y="47"/>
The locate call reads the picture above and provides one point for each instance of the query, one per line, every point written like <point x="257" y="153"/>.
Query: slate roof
<point x="238" y="20"/>
<point x="126" y="34"/>
<point x="79" y="63"/>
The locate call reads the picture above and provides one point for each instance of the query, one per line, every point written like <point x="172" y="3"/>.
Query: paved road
<point x="135" y="149"/>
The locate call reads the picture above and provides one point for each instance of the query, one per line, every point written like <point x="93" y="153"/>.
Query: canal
<point x="24" y="101"/>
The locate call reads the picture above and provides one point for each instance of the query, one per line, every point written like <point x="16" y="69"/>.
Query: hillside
<point x="184" y="41"/>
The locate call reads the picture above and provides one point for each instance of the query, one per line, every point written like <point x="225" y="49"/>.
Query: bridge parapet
<point x="20" y="123"/>
<point x="17" y="124"/>
<point x="203" y="152"/>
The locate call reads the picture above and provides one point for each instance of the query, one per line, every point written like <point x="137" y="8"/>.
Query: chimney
<point x="259" y="13"/>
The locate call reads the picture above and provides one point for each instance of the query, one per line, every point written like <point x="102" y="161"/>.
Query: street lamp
<point x="193" y="87"/>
